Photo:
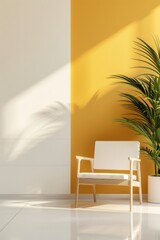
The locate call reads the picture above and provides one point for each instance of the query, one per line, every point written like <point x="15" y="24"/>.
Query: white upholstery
<point x="114" y="154"/>
<point x="116" y="176"/>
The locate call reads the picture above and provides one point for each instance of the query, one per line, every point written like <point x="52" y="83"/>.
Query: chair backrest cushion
<point x="114" y="154"/>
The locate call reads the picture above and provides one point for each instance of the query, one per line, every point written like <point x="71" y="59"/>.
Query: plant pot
<point x="153" y="189"/>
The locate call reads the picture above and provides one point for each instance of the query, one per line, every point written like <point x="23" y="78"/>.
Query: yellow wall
<point x="102" y="35"/>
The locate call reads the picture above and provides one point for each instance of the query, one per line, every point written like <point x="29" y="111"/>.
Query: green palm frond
<point x="148" y="151"/>
<point x="138" y="84"/>
<point x="157" y="43"/>
<point x="153" y="154"/>
<point x="139" y="106"/>
<point x="150" y="57"/>
<point x="138" y="126"/>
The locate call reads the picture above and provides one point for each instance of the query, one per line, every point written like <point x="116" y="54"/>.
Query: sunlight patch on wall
<point x="155" y="14"/>
<point x="110" y="56"/>
<point x="18" y="112"/>
<point x="148" y="27"/>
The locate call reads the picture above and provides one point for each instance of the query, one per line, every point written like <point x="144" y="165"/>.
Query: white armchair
<point x="112" y="155"/>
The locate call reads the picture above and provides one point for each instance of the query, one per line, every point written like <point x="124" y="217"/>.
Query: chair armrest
<point x="84" y="158"/>
<point x="80" y="158"/>
<point x="138" y="161"/>
<point x="134" y="159"/>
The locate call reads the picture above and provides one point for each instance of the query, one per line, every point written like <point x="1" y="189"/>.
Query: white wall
<point x="34" y="96"/>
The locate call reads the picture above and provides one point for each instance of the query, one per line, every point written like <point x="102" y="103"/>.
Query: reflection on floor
<point x="59" y="220"/>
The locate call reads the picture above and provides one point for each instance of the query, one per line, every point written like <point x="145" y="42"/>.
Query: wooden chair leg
<point x="140" y="186"/>
<point x="140" y="194"/>
<point x="94" y="193"/>
<point x="131" y="196"/>
<point x="77" y="192"/>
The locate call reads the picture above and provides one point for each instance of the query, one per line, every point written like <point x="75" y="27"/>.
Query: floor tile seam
<point x="13" y="217"/>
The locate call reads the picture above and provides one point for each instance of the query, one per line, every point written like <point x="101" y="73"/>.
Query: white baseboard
<point x="35" y="196"/>
<point x="66" y="196"/>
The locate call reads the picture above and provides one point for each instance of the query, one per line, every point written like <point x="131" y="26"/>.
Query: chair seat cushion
<point x="116" y="176"/>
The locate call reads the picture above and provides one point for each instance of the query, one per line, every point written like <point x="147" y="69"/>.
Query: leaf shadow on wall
<point x="39" y="142"/>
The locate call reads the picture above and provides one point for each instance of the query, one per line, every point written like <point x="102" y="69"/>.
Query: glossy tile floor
<point x="59" y="220"/>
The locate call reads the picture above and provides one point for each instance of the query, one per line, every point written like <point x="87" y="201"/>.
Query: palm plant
<point x="144" y="100"/>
